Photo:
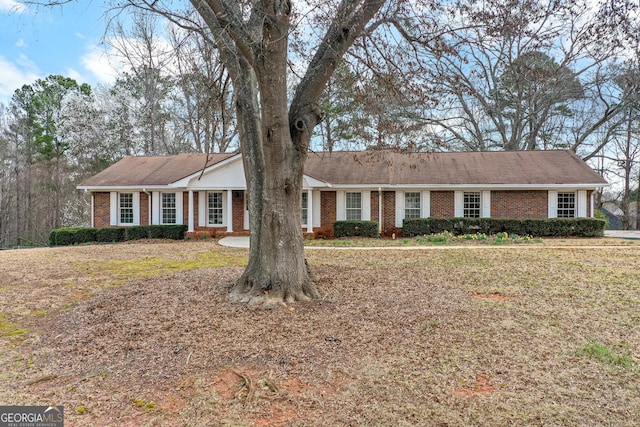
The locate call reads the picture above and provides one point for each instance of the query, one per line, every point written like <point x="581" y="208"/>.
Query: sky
<point x="36" y="42"/>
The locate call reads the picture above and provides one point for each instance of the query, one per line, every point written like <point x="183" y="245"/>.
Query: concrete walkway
<point x="243" y="241"/>
<point x="623" y="234"/>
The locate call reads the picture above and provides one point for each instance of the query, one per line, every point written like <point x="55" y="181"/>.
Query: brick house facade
<point x="384" y="188"/>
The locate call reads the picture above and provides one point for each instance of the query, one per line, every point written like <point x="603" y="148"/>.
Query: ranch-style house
<point x="208" y="192"/>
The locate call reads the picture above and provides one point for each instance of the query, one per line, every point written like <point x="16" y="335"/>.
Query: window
<point x="354" y="206"/>
<point x="412" y="205"/>
<point x="168" y="208"/>
<point x="215" y="208"/>
<point x="126" y="208"/>
<point x="305" y="207"/>
<point x="471" y="205"/>
<point x="566" y="205"/>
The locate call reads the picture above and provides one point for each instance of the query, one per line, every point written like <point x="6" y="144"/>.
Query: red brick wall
<point x="389" y="214"/>
<point x="375" y="211"/>
<point x="238" y="210"/>
<point x="442" y="204"/>
<point x="101" y="210"/>
<point x="185" y="208"/>
<point x="328" y="206"/>
<point x="519" y="204"/>
<point x="144" y="209"/>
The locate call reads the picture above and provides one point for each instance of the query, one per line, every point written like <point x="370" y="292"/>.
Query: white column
<point x="190" y="212"/>
<point x="229" y="210"/>
<point x="309" y="211"/>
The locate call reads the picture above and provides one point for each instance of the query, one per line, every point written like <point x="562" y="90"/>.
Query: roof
<point x="452" y="168"/>
<point x="378" y="168"/>
<point x="153" y="170"/>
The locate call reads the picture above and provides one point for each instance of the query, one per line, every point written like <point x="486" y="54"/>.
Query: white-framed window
<point x="125" y="208"/>
<point x="305" y="207"/>
<point x="353" y="206"/>
<point x="169" y="208"/>
<point x="566" y="205"/>
<point x="471" y="204"/>
<point x="412" y="204"/>
<point x="215" y="208"/>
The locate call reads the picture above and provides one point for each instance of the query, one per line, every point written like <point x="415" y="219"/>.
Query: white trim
<point x="485" y="204"/>
<point x="191" y="226"/>
<point x="317" y="209"/>
<point x="552" y="211"/>
<point x="341" y="211"/>
<point x="156" y="207"/>
<point x="366" y="205"/>
<point x="399" y="207"/>
<point x="136" y="208"/>
<point x="592" y="203"/>
<point x="203" y="215"/>
<point x="309" y="211"/>
<point x="581" y="204"/>
<point x="426" y="204"/>
<point x="93" y="212"/>
<point x="458" y="204"/>
<point x="229" y="214"/>
<point x="113" y="208"/>
<point x="380" y="219"/>
<point x="469" y="187"/>
<point x="179" y="208"/>
<point x="185" y="182"/>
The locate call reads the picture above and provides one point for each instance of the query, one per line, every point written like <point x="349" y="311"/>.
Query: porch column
<point x="190" y="212"/>
<point x="229" y="210"/>
<point x="309" y="211"/>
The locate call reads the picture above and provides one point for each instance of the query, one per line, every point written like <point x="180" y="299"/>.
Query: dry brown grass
<point x="143" y="335"/>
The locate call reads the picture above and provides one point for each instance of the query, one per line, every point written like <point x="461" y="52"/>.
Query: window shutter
<point x="458" y="201"/>
<point x="366" y="205"/>
<point x="425" y="200"/>
<point x="156" y="207"/>
<point x="399" y="208"/>
<point x="113" y="208"/>
<point x="581" y="208"/>
<point x="553" y="204"/>
<point x="136" y="208"/>
<point x="486" y="204"/>
<point x="179" y="204"/>
<point x="202" y="208"/>
<point x="341" y="212"/>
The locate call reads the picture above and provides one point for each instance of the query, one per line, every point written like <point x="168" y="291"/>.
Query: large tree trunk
<point x="277" y="270"/>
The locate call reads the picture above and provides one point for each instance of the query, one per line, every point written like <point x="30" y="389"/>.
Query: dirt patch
<point x="481" y="386"/>
<point x="492" y="297"/>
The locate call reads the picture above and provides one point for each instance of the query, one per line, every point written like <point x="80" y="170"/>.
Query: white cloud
<point x="15" y="74"/>
<point x="21" y="43"/>
<point x="11" y="6"/>
<point x="100" y="64"/>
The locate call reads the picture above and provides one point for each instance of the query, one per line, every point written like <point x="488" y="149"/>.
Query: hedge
<point x="355" y="228"/>
<point x="71" y="236"/>
<point x="552" y="227"/>
<point x="78" y="235"/>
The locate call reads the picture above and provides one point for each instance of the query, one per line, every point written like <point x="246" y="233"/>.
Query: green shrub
<point x="355" y="228"/>
<point x="136" y="232"/>
<point x="109" y="235"/>
<point x="71" y="236"/>
<point x="174" y="231"/>
<point x="553" y="227"/>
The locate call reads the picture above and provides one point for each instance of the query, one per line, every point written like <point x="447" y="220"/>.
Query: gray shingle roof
<point x="378" y="168"/>
<point x="455" y="168"/>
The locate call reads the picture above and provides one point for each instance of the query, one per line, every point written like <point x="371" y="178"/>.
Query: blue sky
<point x="37" y="42"/>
